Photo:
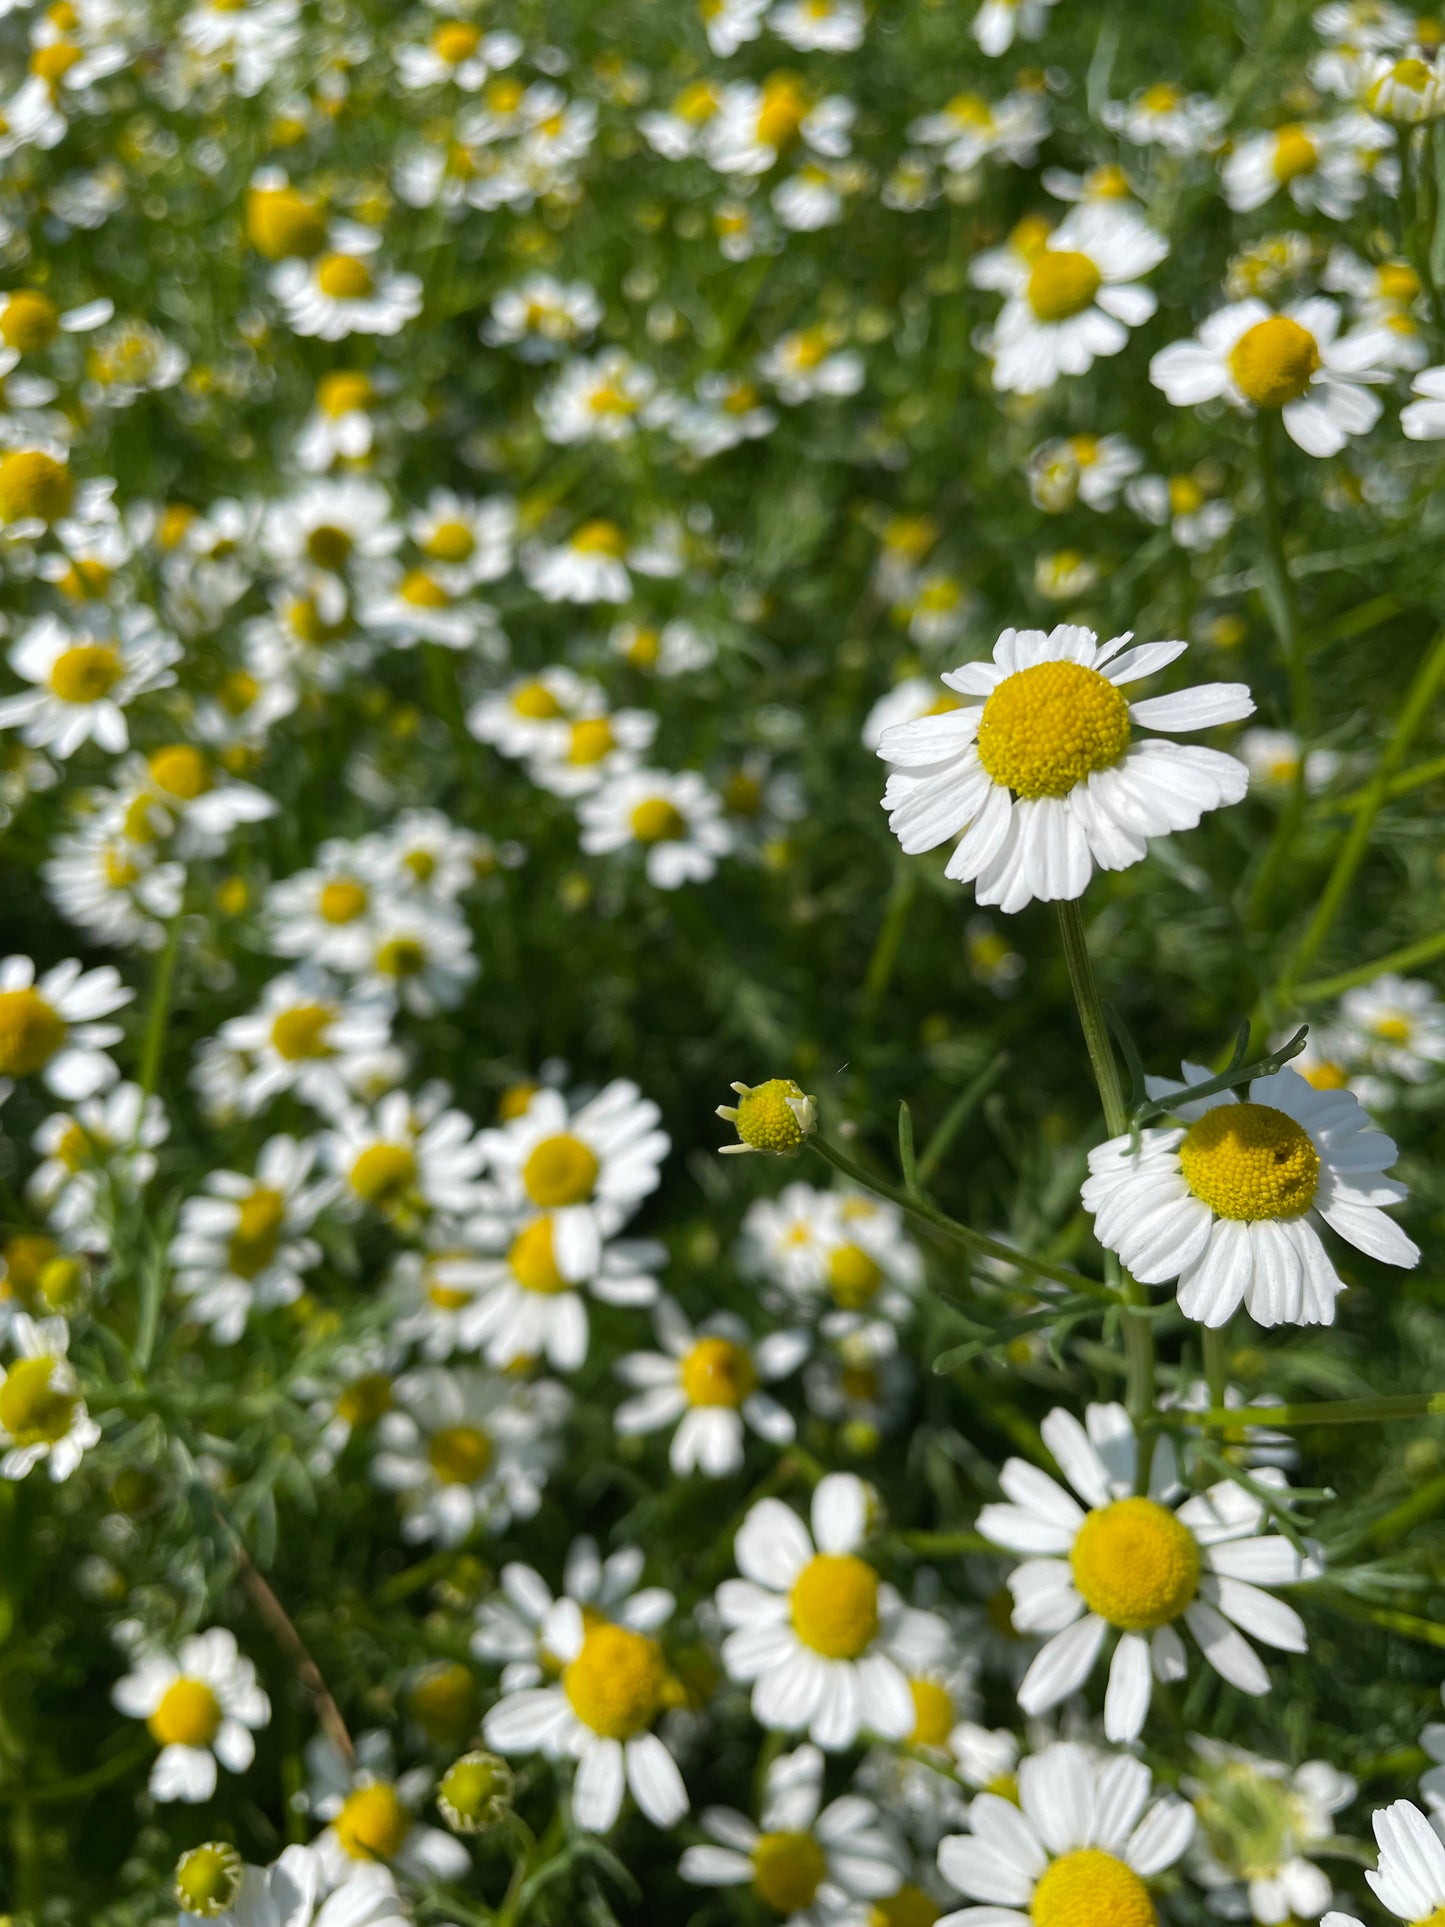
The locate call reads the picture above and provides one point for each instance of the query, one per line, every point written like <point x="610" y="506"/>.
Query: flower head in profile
<point x="1262" y="1826"/>
<point x="1410" y="1880"/>
<point x="1232" y="1201"/>
<point x="1041" y="774"/>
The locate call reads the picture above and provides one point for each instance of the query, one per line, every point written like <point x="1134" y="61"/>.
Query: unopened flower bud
<point x="475" y="1792"/>
<point x="208" y="1879"/>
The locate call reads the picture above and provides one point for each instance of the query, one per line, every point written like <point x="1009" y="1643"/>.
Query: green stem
<point x="941" y="1545"/>
<point x="1278" y="586"/>
<point x="1417" y="778"/>
<point x="1215" y="1374"/>
<point x="155" y="1032"/>
<point x="1409" y="958"/>
<point x="890" y="938"/>
<point x="1325" y="1411"/>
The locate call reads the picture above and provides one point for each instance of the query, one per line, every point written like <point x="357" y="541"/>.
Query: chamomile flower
<point x="1137" y="1564"/>
<point x="998" y="23"/>
<point x="328" y="526"/>
<point x="457" y="54"/>
<point x="812" y="1863"/>
<point x="512" y="1621"/>
<point x="242" y="1245"/>
<point x="1322" y="164"/>
<point x="340" y="429"/>
<point x="1044" y="777"/>
<point x="826" y="1645"/>
<point x="465" y="541"/>
<point x="344" y="291"/>
<point x="707" y="1383"/>
<point x="1260" y="1828"/>
<point x="184" y="797"/>
<point x="1091" y="469"/>
<point x="1410" y="1879"/>
<point x="754" y="126"/>
<point x="309" y="1037"/>
<point x="819" y="26"/>
<point x="971" y="129"/>
<point x="604" y="400"/>
<point x="407" y="1157"/>
<point x="1395" y="1025"/>
<point x="541" y="317"/>
<point x="672" y="817"/>
<point x="1231" y="1203"/>
<point x="1180" y="504"/>
<point x="1423" y="420"/>
<point x="614" y="1683"/>
<point x="54" y="1027"/>
<point x="730" y="24"/>
<point x="1164" y="116"/>
<point x="590" y="566"/>
<point x="292" y="1892"/>
<point x="43" y="1418"/>
<point x="420" y="954"/>
<point x="1273" y="757"/>
<point x="370" y="1811"/>
<point x="410" y="606"/>
<point x="83" y="682"/>
<point x="1077" y="1850"/>
<point x="202" y="1707"/>
<point x="99" y="1155"/>
<point x="811" y="362"/>
<point x="671" y="649"/>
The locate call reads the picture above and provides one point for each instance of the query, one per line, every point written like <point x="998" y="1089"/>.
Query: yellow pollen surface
<point x="281" y="221"/>
<point x="909" y="1907"/>
<point x="54" y="61"/>
<point x="1250" y="1161"/>
<point x="343" y="277"/>
<point x="257" y="1236"/>
<point x="766" y="1120"/>
<point x="455" y="41"/>
<point x="1135" y="1564"/>
<point x="592" y="739"/>
<point x="301" y="1032"/>
<point x="1437" y="1919"/>
<point x="189" y="1715"/>
<point x="788" y="1869"/>
<point x="1274" y="361"/>
<point x="1046" y="729"/>
<point x="373" y="1823"/>
<point x="383" y="1174"/>
<point x="328" y="547"/>
<point x="658" y="821"/>
<point x="1090" y="1888"/>
<point x="459" y="1454"/>
<point x="616" y="1683"/>
<point x="533" y="1259"/>
<point x="364" y="1400"/>
<point x="853" y="1277"/>
<point x="450" y="542"/>
<point x="834" y="1604"/>
<point x="401" y="957"/>
<point x="28" y="321"/>
<point x="33" y="484"/>
<point x="560" y="1170"/>
<point x="85" y="673"/>
<point x="1062" y="282"/>
<point x="932" y="1713"/>
<point x="342" y="901"/>
<point x="342" y="393"/>
<point x="600" y="537"/>
<point x="32" y="1411"/>
<point x="180" y="771"/>
<point x="1294" y="154"/>
<point x="1392" y="1030"/>
<point x="535" y="701"/>
<point x="717" y="1372"/>
<point x="31" y="1032"/>
<point x="781" y="112"/>
<point x="423" y="591"/>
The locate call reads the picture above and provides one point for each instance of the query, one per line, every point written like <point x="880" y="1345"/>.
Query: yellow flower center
<point x="459" y="1454"/>
<point x="1437" y="1919"/>
<point x="423" y="591"/>
<point x="189" y="1715"/>
<point x="25" y="1258"/>
<point x="373" y="1823"/>
<point x="1045" y="729"/>
<point x="450" y="542"/>
<point x="301" y="1032"/>
<point x="514" y="1101"/>
<point x="401" y="957"/>
<point x="853" y="1277"/>
<point x="383" y="1174"/>
<point x="1135" y="1564"/>
<point x="258" y="1232"/>
<point x="342" y="901"/>
<point x="616" y="1683"/>
<point x="1398" y="281"/>
<point x="788" y="1869"/>
<point x="208" y="1878"/>
<point x="443" y="1702"/>
<point x="592" y="739"/>
<point x="328" y="546"/>
<point x="909" y="1907"/>
<point x="782" y="111"/>
<point x="280" y="221"/>
<point x="561" y="1170"/>
<point x="455" y="41"/>
<point x="32" y="1411"/>
<point x="1274" y="361"/>
<point x="834" y="1604"/>
<point x="600" y="538"/>
<point x="1392" y="1030"/>
<point x="533" y="1259"/>
<point x="1062" y="282"/>
<point x="31" y="1032"/>
<point x="33" y="485"/>
<point x="365" y="1399"/>
<point x="1250" y="1161"/>
<point x="1186" y="497"/>
<point x="85" y="673"/>
<point x="1160" y="98"/>
<point x="535" y="701"/>
<point x="1294" y="154"/>
<point x="717" y="1372"/>
<point x="932" y="1713"/>
<point x="342" y="393"/>
<point x="54" y="61"/>
<point x="1090" y="1888"/>
<point x="29" y="321"/>
<point x="765" y="1118"/>
<point x="180" y="771"/>
<point x="343" y="278"/>
<point x="658" y="821"/>
<point x="1327" y="1077"/>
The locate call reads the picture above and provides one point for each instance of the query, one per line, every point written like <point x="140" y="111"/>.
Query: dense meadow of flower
<point x="868" y="566"/>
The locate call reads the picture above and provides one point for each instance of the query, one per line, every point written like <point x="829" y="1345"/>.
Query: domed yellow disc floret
<point x="834" y="1604"/>
<point x="85" y="673"/>
<point x="31" y="1032"/>
<point x="591" y="740"/>
<point x="180" y="771"/>
<point x="658" y="821"/>
<point x="459" y="1454"/>
<point x="1135" y="1564"/>
<point x="383" y="1173"/>
<point x="343" y="278"/>
<point x="933" y="1719"/>
<point x="1045" y="729"/>
<point x="189" y="1715"/>
<point x="33" y="485"/>
<point x="853" y="1276"/>
<point x="455" y="41"/>
<point x="328" y="547"/>
<point x="450" y="542"/>
<point x="29" y="321"/>
<point x="561" y="1170"/>
<point x="1250" y="1161"/>
<point x="717" y="1372"/>
<point x="533" y="1259"/>
<point x="788" y="1869"/>
<point x="616" y="1683"/>
<point x="373" y="1823"/>
<point x="1274" y="361"/>
<point x="1062" y="282"/>
<point x="257" y="1236"/>
<point x="909" y="1907"/>
<point x="600" y="537"/>
<point x="33" y="1410"/>
<point x="1090" y="1888"/>
<point x="281" y="221"/>
<point x="401" y="957"/>
<point x="777" y="1117"/>
<point x="342" y="901"/>
<point x="444" y="1702"/>
<point x="301" y="1031"/>
<point x="208" y="1878"/>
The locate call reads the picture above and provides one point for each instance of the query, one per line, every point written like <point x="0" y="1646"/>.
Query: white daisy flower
<point x="1424" y="420"/>
<point x="672" y="816"/>
<point x="1410" y="1879"/>
<point x="292" y="1892"/>
<point x="410" y="606"/>
<point x="30" y="321"/>
<point x="971" y="129"/>
<point x="812" y="1863"/>
<point x="729" y="24"/>
<point x="675" y="648"/>
<point x="593" y="750"/>
<point x="1231" y="1203"/>
<point x="340" y="429"/>
<point x="407" y="1157"/>
<point x="613" y="1685"/>
<point x="243" y="1244"/>
<point x="43" y="1418"/>
<point x="330" y="524"/>
<point x="998" y="23"/>
<point x="1179" y="503"/>
<point x="826" y="1645"/>
<point x="465" y="541"/>
<point x="370" y="1812"/>
<point x="1295" y="362"/>
<point x="420" y="954"/>
<point x="542" y="317"/>
<point x="1138" y="1564"/>
<point x="1091" y="469"/>
<point x="787" y="1239"/>
<point x="424" y="854"/>
<point x="754" y="126"/>
<point x="84" y="683"/>
<point x="905" y="702"/>
<point x="1325" y="165"/>
<point x="202" y="1706"/>
<point x="308" y="1037"/>
<point x="1073" y="299"/>
<point x="54" y="1028"/>
<point x="819" y="26"/>
<point x="706" y="1383"/>
<point x="1078" y="1850"/>
<point x="1261" y="1825"/>
<point x="677" y="131"/>
<point x="1044" y="777"/>
<point x="590" y="566"/>
<point x="185" y="798"/>
<point x="342" y="291"/>
<point x="1396" y="1025"/>
<point x="96" y="1156"/>
<point x="325" y="914"/>
<point x="512" y="1622"/>
<point x="458" y="53"/>
<point x="604" y="400"/>
<point x="1164" y="116"/>
<point x="1272" y="757"/>
<point x="808" y="363"/>
<point x="728" y="411"/>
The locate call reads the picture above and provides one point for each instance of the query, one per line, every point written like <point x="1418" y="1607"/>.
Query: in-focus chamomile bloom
<point x="1395" y="1025"/>
<point x="1232" y="1201"/>
<point x="1044" y="776"/>
<point x="971" y="129"/>
<point x="827" y="1646"/>
<point x="672" y="817"/>
<point x="998" y="23"/>
<point x="345" y="291"/>
<point x="465" y="1450"/>
<point x="43" y="1418"/>
<point x="202" y="1706"/>
<point x="1164" y="116"/>
<point x="611" y="1684"/>
<point x="1410" y="1879"/>
<point x="370" y="1811"/>
<point x="1079" y="1848"/>
<point x="1073" y="298"/>
<point x="1323" y="164"/>
<point x="407" y="1157"/>
<point x="1138" y="1565"/>
<point x="776" y="1118"/>
<point x="306" y="1036"/>
<point x="707" y="1384"/>
<point x="243" y="1243"/>
<point x="811" y="362"/>
<point x="812" y="1863"/>
<point x="1261" y="1827"/>
<point x="1295" y="362"/>
<point x="54" y="1027"/>
<point x="101" y="1154"/>
<point x="84" y="681"/>
<point x="1091" y="469"/>
<point x="1273" y="756"/>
